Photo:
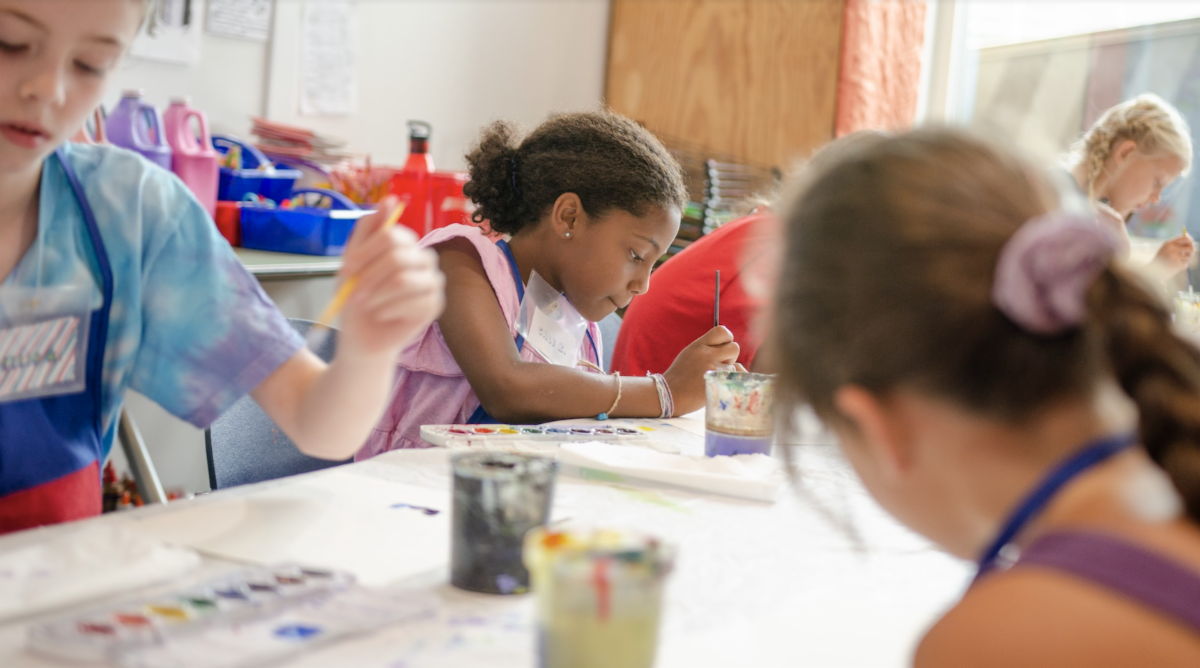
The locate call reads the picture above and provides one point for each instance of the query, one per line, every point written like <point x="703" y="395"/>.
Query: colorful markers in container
<point x="498" y="497"/>
<point x="599" y="597"/>
<point x="738" y="413"/>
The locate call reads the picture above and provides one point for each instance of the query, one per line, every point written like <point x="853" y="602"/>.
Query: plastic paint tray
<point x="455" y="434"/>
<point x="304" y="230"/>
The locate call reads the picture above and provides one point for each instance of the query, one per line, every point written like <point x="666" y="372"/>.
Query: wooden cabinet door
<point x="754" y="79"/>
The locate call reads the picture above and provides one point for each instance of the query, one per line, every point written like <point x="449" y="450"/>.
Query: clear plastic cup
<point x="1187" y="312"/>
<point x="599" y="597"/>
<point x="738" y="416"/>
<point x="498" y="498"/>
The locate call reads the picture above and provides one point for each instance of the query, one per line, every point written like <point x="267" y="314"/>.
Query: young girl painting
<point x="588" y="202"/>
<point x="1005" y="388"/>
<point x="114" y="278"/>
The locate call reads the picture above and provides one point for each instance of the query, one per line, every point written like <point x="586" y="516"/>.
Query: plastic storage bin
<point x="305" y="230"/>
<point x="257" y="176"/>
<point x="229" y="221"/>
<point x="449" y="204"/>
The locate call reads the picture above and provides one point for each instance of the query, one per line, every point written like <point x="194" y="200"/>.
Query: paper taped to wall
<point x="328" y="83"/>
<point x="243" y="19"/>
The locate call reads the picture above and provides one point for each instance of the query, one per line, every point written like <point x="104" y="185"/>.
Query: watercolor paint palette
<point x="104" y="634"/>
<point x="451" y="434"/>
<point x="313" y="622"/>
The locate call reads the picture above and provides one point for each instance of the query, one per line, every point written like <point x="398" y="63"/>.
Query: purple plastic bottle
<point x="136" y="125"/>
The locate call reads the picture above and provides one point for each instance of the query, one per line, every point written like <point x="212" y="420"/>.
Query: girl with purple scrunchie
<point x="1005" y="389"/>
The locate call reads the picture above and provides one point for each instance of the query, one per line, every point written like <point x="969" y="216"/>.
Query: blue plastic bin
<point x="306" y="230"/>
<point x="233" y="184"/>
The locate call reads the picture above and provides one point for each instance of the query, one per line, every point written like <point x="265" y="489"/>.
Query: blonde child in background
<point x="589" y="201"/>
<point x="158" y="296"/>
<point x="1122" y="164"/>
<point x="1006" y="389"/>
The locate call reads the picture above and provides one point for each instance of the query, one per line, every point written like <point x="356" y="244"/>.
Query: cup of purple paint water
<point x="739" y="417"/>
<point x="498" y="497"/>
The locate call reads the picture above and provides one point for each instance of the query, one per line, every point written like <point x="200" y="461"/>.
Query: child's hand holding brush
<point x="390" y="290"/>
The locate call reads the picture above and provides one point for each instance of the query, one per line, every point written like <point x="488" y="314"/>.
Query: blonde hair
<point x="1148" y="120"/>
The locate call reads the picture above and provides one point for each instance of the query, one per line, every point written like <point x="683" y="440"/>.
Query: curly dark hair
<point x="606" y="159"/>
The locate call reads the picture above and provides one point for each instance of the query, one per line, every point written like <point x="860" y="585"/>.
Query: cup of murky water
<point x="498" y="498"/>
<point x="599" y="596"/>
<point x="738" y="416"/>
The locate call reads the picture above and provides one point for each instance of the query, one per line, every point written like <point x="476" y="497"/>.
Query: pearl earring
<point x="568" y="235"/>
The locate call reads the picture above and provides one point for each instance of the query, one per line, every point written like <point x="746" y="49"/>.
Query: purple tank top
<point x="1118" y="565"/>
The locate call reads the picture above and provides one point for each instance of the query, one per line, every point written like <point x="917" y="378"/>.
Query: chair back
<point x="245" y="446"/>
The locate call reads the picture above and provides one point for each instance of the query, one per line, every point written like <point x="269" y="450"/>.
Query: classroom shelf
<point x="266" y="265"/>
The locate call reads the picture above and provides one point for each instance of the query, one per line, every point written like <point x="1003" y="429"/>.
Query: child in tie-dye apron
<point x="114" y="278"/>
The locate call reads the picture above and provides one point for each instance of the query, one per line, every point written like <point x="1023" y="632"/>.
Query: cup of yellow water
<point x="1187" y="311"/>
<point x="599" y="596"/>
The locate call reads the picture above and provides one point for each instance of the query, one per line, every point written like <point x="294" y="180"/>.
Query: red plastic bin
<point x="229" y="222"/>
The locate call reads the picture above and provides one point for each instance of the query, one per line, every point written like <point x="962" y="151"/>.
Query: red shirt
<point x="678" y="307"/>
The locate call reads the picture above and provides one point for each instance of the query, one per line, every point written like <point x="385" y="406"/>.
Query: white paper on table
<point x="755" y="477"/>
<point x="376" y="529"/>
<point x="94" y="560"/>
<point x="241" y="19"/>
<point x="329" y="46"/>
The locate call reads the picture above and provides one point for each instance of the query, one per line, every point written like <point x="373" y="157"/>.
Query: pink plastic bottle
<point x="193" y="159"/>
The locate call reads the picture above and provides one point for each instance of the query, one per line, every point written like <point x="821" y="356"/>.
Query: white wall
<point x="229" y="84"/>
<point x="457" y="64"/>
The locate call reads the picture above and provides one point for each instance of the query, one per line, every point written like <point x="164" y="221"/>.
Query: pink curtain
<point x="881" y="65"/>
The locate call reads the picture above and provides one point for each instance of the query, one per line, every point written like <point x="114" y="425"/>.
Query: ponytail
<point x="1161" y="373"/>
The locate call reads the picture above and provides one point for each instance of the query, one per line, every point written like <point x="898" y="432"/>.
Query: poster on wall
<point x="329" y="46"/>
<point x="240" y="19"/>
<point x="171" y="32"/>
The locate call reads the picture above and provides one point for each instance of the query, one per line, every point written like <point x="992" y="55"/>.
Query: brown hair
<point x="886" y="283"/>
<point x="1147" y="120"/>
<point x="609" y="161"/>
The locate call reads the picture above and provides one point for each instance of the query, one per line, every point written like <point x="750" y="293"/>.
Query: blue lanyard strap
<point x="1037" y="500"/>
<point x="512" y="265"/>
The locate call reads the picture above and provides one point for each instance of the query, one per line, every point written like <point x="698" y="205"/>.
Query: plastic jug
<point x="193" y="158"/>
<point x="135" y="124"/>
<point x="413" y="182"/>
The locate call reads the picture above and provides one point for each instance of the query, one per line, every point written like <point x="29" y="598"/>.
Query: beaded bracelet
<point x="665" y="400"/>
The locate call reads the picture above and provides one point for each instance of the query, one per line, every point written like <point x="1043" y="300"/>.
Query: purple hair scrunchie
<point x="1046" y="268"/>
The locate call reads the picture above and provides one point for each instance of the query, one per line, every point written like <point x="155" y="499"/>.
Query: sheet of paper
<point x="379" y="530"/>
<point x="243" y="19"/>
<point x="328" y="80"/>
<point x="92" y="560"/>
<point x="171" y="32"/>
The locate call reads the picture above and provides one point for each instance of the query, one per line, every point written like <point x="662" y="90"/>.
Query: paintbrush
<point x="717" y="302"/>
<point x="320" y="330"/>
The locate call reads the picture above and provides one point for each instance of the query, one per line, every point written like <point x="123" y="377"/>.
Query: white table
<point x="756" y="584"/>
